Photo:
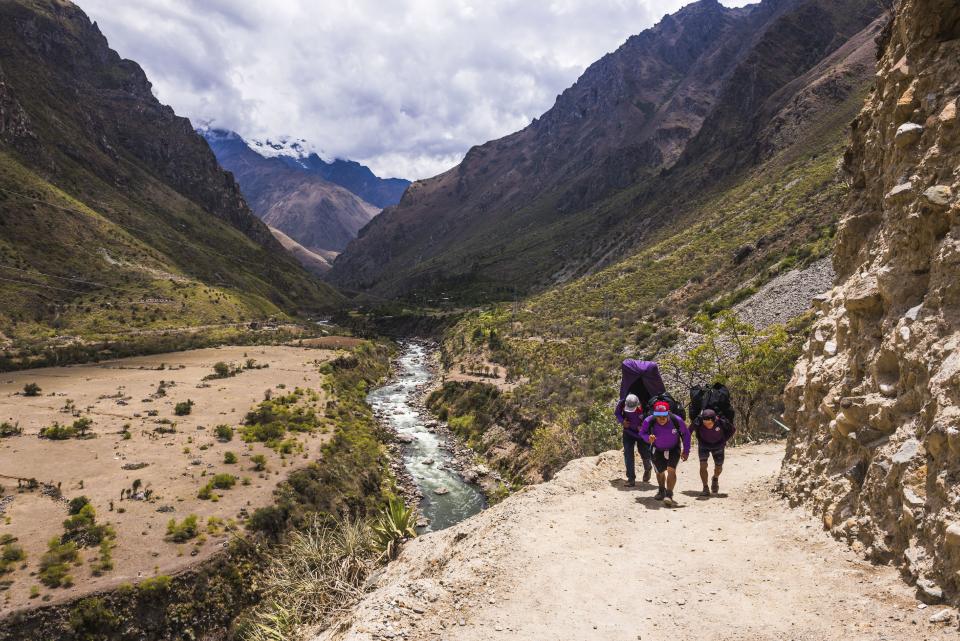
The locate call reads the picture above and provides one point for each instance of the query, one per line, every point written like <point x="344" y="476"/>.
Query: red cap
<point x="661" y="408"/>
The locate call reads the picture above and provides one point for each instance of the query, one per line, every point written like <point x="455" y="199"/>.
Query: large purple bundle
<point x="641" y="378"/>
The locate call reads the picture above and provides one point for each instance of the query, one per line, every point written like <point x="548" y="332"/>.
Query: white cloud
<point x="405" y="86"/>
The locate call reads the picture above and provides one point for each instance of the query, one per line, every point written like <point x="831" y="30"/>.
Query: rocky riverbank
<point x="453" y="455"/>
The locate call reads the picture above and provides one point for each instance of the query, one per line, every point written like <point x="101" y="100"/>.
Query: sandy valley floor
<point x="120" y="392"/>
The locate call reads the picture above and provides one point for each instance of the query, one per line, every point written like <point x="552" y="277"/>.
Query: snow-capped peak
<point x="297" y="148"/>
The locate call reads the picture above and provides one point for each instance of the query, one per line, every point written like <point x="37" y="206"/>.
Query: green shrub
<point x="55" y="563"/>
<point x="83" y="529"/>
<point x="221" y="369"/>
<point x="7" y="429"/>
<point x="155" y="586"/>
<point x="223" y="432"/>
<point x="205" y="493"/>
<point x="77" y="503"/>
<point x="270" y="520"/>
<point x="10" y="555"/>
<point x="180" y="532"/>
<point x="58" y="432"/>
<point x="229" y="458"/>
<point x="259" y="462"/>
<point x="92" y="620"/>
<point x="223" y="481"/>
<point x="183" y="408"/>
<point x="31" y="389"/>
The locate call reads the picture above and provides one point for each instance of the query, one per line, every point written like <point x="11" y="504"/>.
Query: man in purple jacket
<point x="666" y="432"/>
<point x="713" y="432"/>
<point x="629" y="416"/>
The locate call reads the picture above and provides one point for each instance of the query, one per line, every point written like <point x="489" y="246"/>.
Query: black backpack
<point x="676" y="407"/>
<point x="715" y="397"/>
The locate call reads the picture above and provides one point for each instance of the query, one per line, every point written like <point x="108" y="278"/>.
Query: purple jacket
<point x="632" y="425"/>
<point x="723" y="430"/>
<point x="667" y="436"/>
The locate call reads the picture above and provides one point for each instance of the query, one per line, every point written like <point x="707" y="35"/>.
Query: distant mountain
<point x="114" y="214"/>
<point x="313" y="211"/>
<point x="705" y="94"/>
<point x="382" y="192"/>
<point x="298" y="153"/>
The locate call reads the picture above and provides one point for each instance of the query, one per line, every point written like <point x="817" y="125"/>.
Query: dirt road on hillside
<point x="583" y="558"/>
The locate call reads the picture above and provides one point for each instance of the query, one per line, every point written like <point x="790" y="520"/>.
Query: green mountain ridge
<point x="115" y="218"/>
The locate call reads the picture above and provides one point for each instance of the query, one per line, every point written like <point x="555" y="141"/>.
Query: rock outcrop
<point x="875" y="400"/>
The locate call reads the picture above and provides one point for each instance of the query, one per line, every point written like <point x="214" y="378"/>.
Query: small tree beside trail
<point x="31" y="389"/>
<point x="755" y="364"/>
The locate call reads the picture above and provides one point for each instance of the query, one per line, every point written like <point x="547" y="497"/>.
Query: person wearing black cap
<point x="713" y="432"/>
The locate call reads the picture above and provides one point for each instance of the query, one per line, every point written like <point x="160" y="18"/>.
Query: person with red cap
<point x="669" y="440"/>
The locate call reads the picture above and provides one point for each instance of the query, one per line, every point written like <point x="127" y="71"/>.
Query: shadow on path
<point x="653" y="504"/>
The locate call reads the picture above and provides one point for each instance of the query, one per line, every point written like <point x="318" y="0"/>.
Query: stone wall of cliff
<point x="875" y="400"/>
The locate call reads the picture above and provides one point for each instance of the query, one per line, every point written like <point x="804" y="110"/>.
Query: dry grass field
<point x="136" y="435"/>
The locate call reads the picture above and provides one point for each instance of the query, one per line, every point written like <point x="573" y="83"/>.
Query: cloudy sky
<point x="404" y="86"/>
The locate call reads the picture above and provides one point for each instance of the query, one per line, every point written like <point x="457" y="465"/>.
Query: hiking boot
<point x="715" y="485"/>
<point x="706" y="491"/>
<point x="646" y="475"/>
<point x="661" y="493"/>
<point x="629" y="482"/>
<point x="668" y="499"/>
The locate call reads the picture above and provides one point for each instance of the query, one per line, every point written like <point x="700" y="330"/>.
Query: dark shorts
<point x="704" y="452"/>
<point x="662" y="459"/>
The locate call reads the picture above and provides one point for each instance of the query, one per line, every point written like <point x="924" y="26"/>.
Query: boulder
<point x="929" y="592"/>
<point x="938" y="196"/>
<point x="899" y="193"/>
<point x="907" y="134"/>
<point x="953" y="535"/>
<point x="907" y="452"/>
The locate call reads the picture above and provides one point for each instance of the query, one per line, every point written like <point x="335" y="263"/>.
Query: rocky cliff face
<point x="875" y="400"/>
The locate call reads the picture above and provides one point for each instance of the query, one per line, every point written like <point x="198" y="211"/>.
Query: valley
<point x="248" y="393"/>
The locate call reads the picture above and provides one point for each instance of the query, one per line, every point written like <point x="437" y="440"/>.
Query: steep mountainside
<point x="312" y="261"/>
<point x="875" y="400"/>
<point x="315" y="212"/>
<point x="114" y="215"/>
<point x="708" y="92"/>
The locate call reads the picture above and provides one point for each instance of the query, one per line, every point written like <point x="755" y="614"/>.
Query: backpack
<point x="715" y="397"/>
<point x="676" y="407"/>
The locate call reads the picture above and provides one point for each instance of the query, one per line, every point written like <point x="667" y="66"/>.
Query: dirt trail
<point x="583" y="558"/>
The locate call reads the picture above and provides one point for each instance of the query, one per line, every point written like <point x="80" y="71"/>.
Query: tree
<point x="754" y="364"/>
<point x="81" y="425"/>
<point x="31" y="389"/>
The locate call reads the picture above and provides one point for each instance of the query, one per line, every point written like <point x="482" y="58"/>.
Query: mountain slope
<point x="313" y="211"/>
<point x="546" y="203"/>
<point x="874" y="401"/>
<point x="115" y="215"/>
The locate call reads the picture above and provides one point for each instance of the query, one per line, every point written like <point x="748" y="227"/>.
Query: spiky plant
<point x="395" y="523"/>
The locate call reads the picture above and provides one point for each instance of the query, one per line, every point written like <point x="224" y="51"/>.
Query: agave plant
<point x="395" y="523"/>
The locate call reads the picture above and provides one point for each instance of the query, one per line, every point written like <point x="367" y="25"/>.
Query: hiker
<point x="630" y="417"/>
<point x="667" y="434"/>
<point x="713" y="431"/>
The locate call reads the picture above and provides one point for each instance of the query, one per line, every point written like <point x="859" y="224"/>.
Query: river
<point x="426" y="456"/>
